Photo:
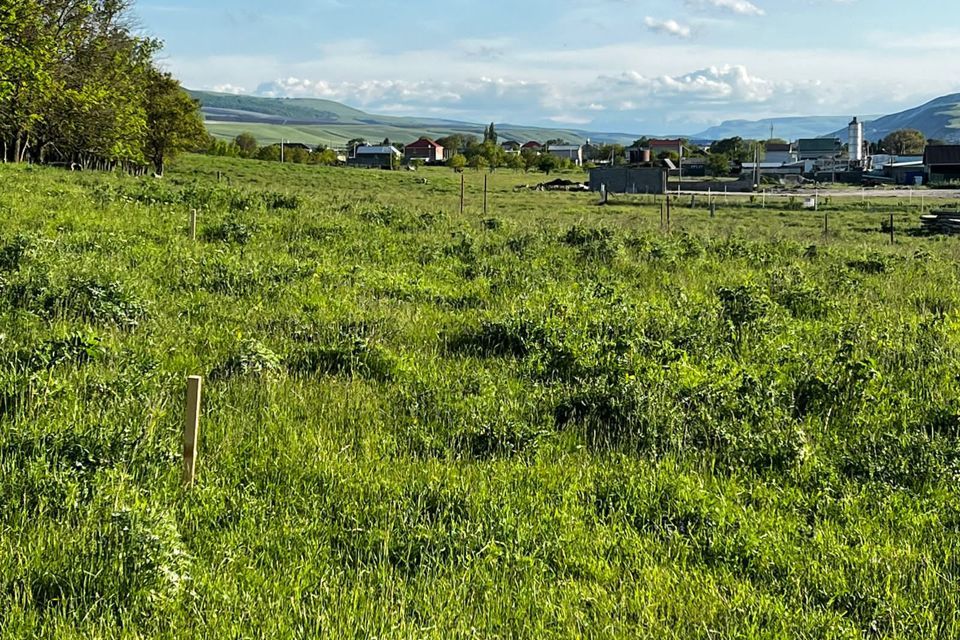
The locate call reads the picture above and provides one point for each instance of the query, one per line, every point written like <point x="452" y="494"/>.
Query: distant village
<point x="823" y="160"/>
<point x="650" y="164"/>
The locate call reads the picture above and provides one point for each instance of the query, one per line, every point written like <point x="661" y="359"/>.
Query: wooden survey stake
<point x="193" y="224"/>
<point x="191" y="429"/>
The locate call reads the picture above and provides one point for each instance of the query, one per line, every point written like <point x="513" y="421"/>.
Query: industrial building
<point x="943" y="163"/>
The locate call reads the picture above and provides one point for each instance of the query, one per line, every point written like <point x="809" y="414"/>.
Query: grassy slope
<point x="552" y="421"/>
<point x="337" y="123"/>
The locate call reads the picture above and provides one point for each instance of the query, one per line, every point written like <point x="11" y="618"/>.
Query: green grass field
<point x="555" y="420"/>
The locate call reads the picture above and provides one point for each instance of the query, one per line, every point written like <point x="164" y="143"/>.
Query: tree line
<point x="80" y="87"/>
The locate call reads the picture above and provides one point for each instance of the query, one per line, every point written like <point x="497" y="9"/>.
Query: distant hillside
<point x="938" y="119"/>
<point x="313" y="121"/>
<point x="786" y="128"/>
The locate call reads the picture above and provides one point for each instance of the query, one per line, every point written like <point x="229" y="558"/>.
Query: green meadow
<point x="549" y="420"/>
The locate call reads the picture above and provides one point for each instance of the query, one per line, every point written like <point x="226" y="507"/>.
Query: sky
<point x="634" y="66"/>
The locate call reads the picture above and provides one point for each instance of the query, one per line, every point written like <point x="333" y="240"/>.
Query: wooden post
<point x="764" y="198"/>
<point x="892" y="240"/>
<point x="816" y="201"/>
<point x="193" y="224"/>
<point x="825" y="228"/>
<point x="713" y="209"/>
<point x="661" y="215"/>
<point x="462" y="179"/>
<point x="191" y="430"/>
<point x="668" y="214"/>
<point x="218" y="176"/>
<point x="484" y="195"/>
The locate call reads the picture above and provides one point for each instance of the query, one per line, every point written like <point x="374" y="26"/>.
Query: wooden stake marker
<point x="193" y="224"/>
<point x="484" y="195"/>
<point x="191" y="430"/>
<point x="462" y="186"/>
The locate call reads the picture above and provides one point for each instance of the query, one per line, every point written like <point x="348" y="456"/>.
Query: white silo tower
<point x="855" y="140"/>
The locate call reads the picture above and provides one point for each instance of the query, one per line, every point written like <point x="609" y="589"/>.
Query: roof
<point x="778" y="146"/>
<point x="906" y="165"/>
<point x="424" y="142"/>
<point x="565" y="147"/>
<point x="377" y="151"/>
<point x="665" y="143"/>
<point x="532" y="144"/>
<point x="510" y="143"/>
<point x="819" y="145"/>
<point x="942" y="154"/>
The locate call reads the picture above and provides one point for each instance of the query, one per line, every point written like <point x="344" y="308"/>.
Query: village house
<point x="572" y="152"/>
<point x="533" y="146"/>
<point x="510" y="146"/>
<point x="374" y="157"/>
<point x="423" y="149"/>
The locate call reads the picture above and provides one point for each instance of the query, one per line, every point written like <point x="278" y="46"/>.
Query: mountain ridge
<point x="319" y="121"/>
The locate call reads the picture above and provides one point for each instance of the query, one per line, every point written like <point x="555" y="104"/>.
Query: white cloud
<point x="669" y="27"/>
<point x="740" y="7"/>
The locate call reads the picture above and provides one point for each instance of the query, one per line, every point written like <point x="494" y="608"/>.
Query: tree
<point x="457" y="162"/>
<point x="718" y="164"/>
<point x="174" y="122"/>
<point x="641" y="143"/>
<point x="547" y="163"/>
<point x="270" y="152"/>
<point x="247" y="143"/>
<point x="490" y="134"/>
<point x="734" y="148"/>
<point x="905" y="142"/>
<point x="516" y="162"/>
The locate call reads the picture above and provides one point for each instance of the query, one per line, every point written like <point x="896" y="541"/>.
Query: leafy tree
<point x="174" y="123"/>
<point x="270" y="152"/>
<point x="718" y="164"/>
<point x="516" y="162"/>
<point x="547" y="163"/>
<point x="734" y="148"/>
<point x="457" y="162"/>
<point x="641" y="143"/>
<point x="247" y="144"/>
<point x="905" y="142"/>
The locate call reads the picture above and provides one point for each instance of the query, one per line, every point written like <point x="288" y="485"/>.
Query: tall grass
<point x="554" y="420"/>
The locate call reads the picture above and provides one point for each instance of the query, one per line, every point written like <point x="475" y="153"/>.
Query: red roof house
<point x="423" y="149"/>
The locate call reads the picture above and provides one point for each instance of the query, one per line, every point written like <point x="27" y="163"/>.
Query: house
<point x="533" y="146"/>
<point x="658" y="147"/>
<point x="818" y="148"/>
<point x="510" y="146"/>
<point x="571" y="152"/>
<point x="943" y="163"/>
<point x="372" y="157"/>
<point x="290" y="146"/>
<point x="781" y="153"/>
<point x="423" y="149"/>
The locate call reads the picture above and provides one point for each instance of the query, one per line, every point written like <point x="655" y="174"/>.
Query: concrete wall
<point x="629" y="179"/>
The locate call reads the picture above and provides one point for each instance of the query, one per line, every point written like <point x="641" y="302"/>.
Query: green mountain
<point x="312" y="121"/>
<point x="938" y="119"/>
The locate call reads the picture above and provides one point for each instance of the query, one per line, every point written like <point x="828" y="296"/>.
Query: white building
<point x="572" y="152"/>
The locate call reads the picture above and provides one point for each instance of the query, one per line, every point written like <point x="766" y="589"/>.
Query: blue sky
<point x="639" y="66"/>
